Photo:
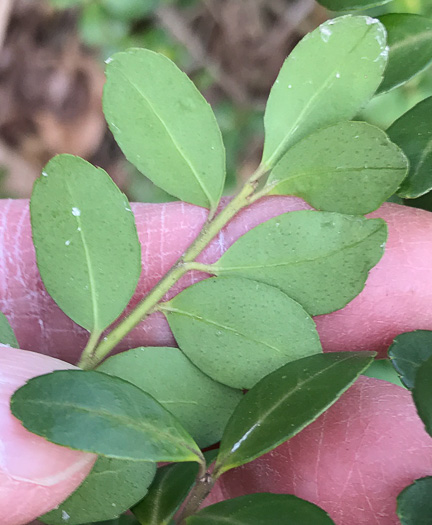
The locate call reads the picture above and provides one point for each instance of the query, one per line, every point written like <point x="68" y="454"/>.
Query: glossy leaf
<point x="320" y="259"/>
<point x="413" y="133"/>
<point x="164" y="126"/>
<point x="415" y="503"/>
<point x="351" y="167"/>
<point x="95" y="412"/>
<point x="349" y="5"/>
<point x="262" y="509"/>
<point x="329" y="76"/>
<point x="167" y="492"/>
<point x="111" y="488"/>
<point x="201" y="405"/>
<point x="422" y="393"/>
<point x="408" y="352"/>
<point x="410" y="41"/>
<point x="7" y="336"/>
<point x="285" y="402"/>
<point x="87" y="247"/>
<point x="249" y="329"/>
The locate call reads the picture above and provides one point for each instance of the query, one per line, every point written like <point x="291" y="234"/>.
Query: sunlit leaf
<point x="415" y="503"/>
<point x="87" y="247"/>
<point x="329" y="76"/>
<point x="320" y="259"/>
<point x="413" y="133"/>
<point x="262" y="509"/>
<point x="410" y="41"/>
<point x="164" y="126"/>
<point x="249" y="329"/>
<point x="201" y="405"/>
<point x="408" y="352"/>
<point x="351" y="167"/>
<point x="111" y="488"/>
<point x="7" y="336"/>
<point x="95" y="412"/>
<point x="285" y="402"/>
<point x="167" y="492"/>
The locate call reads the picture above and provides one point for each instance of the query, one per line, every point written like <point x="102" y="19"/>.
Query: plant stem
<point x="197" y="495"/>
<point x="90" y="346"/>
<point x="211" y="228"/>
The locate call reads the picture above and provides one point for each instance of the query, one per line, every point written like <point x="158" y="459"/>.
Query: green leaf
<point x="320" y="259"/>
<point x="201" y="405"/>
<point x="413" y="133"/>
<point x="408" y="352"/>
<point x="95" y="412"/>
<point x="422" y="393"/>
<point x="383" y="369"/>
<point x="329" y="76"/>
<point x="351" y="5"/>
<point x="167" y="492"/>
<point x="87" y="247"/>
<point x="415" y="503"/>
<point x="351" y="167"/>
<point x="285" y="402"/>
<point x="122" y="520"/>
<point x="111" y="488"/>
<point x="164" y="126"/>
<point x="7" y="336"/>
<point x="249" y="329"/>
<point x="410" y="41"/>
<point x="262" y="509"/>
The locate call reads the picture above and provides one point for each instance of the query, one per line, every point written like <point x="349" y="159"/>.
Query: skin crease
<point x="396" y="297"/>
<point x="352" y="461"/>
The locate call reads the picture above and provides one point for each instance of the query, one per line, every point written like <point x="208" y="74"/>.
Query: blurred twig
<point x="5" y="11"/>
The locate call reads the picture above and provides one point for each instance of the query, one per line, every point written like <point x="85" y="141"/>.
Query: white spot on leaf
<point x="76" y="212"/>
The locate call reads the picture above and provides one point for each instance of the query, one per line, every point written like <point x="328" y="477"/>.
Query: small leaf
<point x="351" y="5"/>
<point x="285" y="402"/>
<point x="164" y="126"/>
<point x="351" y="167"/>
<point x="87" y="247"/>
<point x="262" y="509"/>
<point x="167" y="492"/>
<point x="410" y="41"/>
<point x="95" y="412"/>
<point x="383" y="369"/>
<point x="249" y="329"/>
<point x="408" y="352"/>
<point x="329" y="76"/>
<point x="111" y="488"/>
<point x="422" y="393"/>
<point x="320" y="259"/>
<point x="415" y="503"/>
<point x="201" y="405"/>
<point x="7" y="336"/>
<point x="413" y="133"/>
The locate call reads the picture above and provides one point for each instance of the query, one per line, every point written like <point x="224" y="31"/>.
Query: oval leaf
<point x="87" y="247"/>
<point x="7" y="336"/>
<point x="249" y="329"/>
<point x="167" y="492"/>
<point x="415" y="503"/>
<point x="410" y="41"/>
<point x="95" y="412"/>
<point x="422" y="393"/>
<point x="351" y="167"/>
<point x="320" y="259"/>
<point x="328" y="77"/>
<point x="262" y="509"/>
<point x="111" y="488"/>
<point x="408" y="352"/>
<point x="413" y="133"/>
<point x="201" y="405"/>
<point x="285" y="402"/>
<point x="164" y="126"/>
<point x="350" y="5"/>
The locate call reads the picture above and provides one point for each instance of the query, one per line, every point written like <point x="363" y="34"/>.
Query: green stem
<point x="185" y="263"/>
<point x="197" y="495"/>
<point x="90" y="347"/>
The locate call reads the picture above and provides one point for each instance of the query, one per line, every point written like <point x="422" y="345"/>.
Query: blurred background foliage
<point x="51" y="76"/>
